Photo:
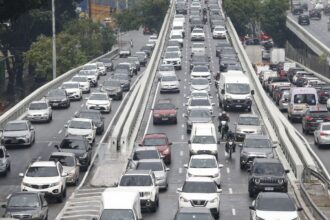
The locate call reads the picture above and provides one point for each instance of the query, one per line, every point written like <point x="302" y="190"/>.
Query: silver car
<point x="283" y="103"/>
<point x="164" y="70"/>
<point x="18" y="132"/>
<point x="247" y="124"/>
<point x="4" y="160"/>
<point x="159" y="169"/>
<point x="70" y="165"/>
<point x="322" y="134"/>
<point x="39" y="111"/>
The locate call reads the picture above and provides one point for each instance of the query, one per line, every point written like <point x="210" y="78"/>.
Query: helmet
<point x="223" y="112"/>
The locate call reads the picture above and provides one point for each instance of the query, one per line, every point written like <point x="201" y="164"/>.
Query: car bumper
<point x="197" y="38"/>
<point x="3" y="168"/>
<point x="39" y="118"/>
<point x="214" y="207"/>
<point x="238" y="104"/>
<point x="267" y="188"/>
<point x="51" y="191"/>
<point x="15" y="141"/>
<point x="165" y="119"/>
<point x="169" y="89"/>
<point x="102" y="108"/>
<point x="219" y="36"/>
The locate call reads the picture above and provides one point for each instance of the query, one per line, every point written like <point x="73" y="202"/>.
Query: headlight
<point x="83" y="156"/>
<point x="118" y="89"/>
<point x="214" y="200"/>
<point x="63" y="100"/>
<point x="189" y="122"/>
<point x="71" y="172"/>
<point x="172" y="115"/>
<point x="36" y="215"/>
<point x="54" y="184"/>
<point x="183" y="199"/>
<point x="280" y="181"/>
<point x="26" y="184"/>
<point x="256" y="180"/>
<point x="270" y="155"/>
<point x="216" y="175"/>
<point x="46" y="114"/>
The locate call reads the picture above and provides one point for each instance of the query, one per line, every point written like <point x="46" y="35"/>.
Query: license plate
<point x="319" y="120"/>
<point x="164" y="119"/>
<point x="55" y="104"/>
<point x="238" y="106"/>
<point x="14" y="141"/>
<point x="269" y="188"/>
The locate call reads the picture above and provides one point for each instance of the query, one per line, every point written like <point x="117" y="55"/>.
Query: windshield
<point x="24" y="200"/>
<point x="200" y="102"/>
<point x="219" y="29"/>
<point x="173" y="49"/>
<point x="200" y="69"/>
<point x="203" y="140"/>
<point x="16" y="127"/>
<point x="169" y="78"/>
<point x="42" y="172"/>
<point x="237" y="88"/>
<point x="56" y="92"/>
<point x="70" y="86"/>
<point x="166" y="68"/>
<point x="268" y="169"/>
<point x="117" y="214"/>
<point x="161" y="106"/>
<point x="90" y="67"/>
<point x="309" y="99"/>
<point x="64" y="160"/>
<point x="73" y="144"/>
<point x="111" y="83"/>
<point x="80" y="124"/>
<point x="154" y="141"/>
<point x="194" y="216"/>
<point x="257" y="143"/>
<point x="203" y="163"/>
<point x="146" y="154"/>
<point x="197" y="31"/>
<point x="199" y="81"/>
<point x="135" y="180"/>
<point x="248" y="121"/>
<point x="275" y="204"/>
<point x="98" y="97"/>
<point x="171" y="55"/>
<point x="154" y="166"/>
<point x="90" y="115"/>
<point x="37" y="106"/>
<point x="200" y="113"/>
<point x="199" y="187"/>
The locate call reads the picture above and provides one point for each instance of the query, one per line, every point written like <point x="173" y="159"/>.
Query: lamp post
<point x="54" y="39"/>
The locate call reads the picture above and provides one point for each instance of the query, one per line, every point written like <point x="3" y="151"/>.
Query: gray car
<point x="18" y="133"/>
<point x="143" y="57"/>
<point x="4" y="160"/>
<point x="134" y="60"/>
<point x="198" y="115"/>
<point x="255" y="146"/>
<point x="159" y="169"/>
<point x="113" y="88"/>
<point x="124" y="79"/>
<point x="39" y="111"/>
<point x="247" y="124"/>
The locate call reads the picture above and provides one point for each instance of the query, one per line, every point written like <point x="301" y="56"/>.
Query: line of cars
<point x="314" y="13"/>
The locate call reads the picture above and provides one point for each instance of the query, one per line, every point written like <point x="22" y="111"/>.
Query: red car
<point x="146" y="30"/>
<point x="162" y="143"/>
<point x="164" y="112"/>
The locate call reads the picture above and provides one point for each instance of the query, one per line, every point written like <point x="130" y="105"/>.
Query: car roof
<point x="202" y="156"/>
<point x="43" y="164"/>
<point x="273" y="195"/>
<point x="81" y="119"/>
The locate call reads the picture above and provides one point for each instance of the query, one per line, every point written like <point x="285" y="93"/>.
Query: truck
<point x="277" y="55"/>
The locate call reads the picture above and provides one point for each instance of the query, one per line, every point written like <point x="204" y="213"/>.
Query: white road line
<point x="60" y="131"/>
<point x="230" y="191"/>
<point x="180" y="170"/>
<point x="184" y="87"/>
<point x="233" y="211"/>
<point x="82" y="105"/>
<point x="228" y="170"/>
<point x="182" y="125"/>
<point x="181" y="153"/>
<point x="183" y="114"/>
<point x="75" y="113"/>
<point x="182" y="137"/>
<point x="153" y="104"/>
<point x="50" y="143"/>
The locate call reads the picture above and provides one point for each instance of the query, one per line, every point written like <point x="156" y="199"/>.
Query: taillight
<point x="309" y="118"/>
<point x="327" y="118"/>
<point x="323" y="134"/>
<point x="322" y="93"/>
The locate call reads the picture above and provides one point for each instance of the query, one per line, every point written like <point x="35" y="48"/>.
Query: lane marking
<point x="182" y="125"/>
<point x="182" y="137"/>
<point x="181" y="153"/>
<point x="233" y="211"/>
<point x="153" y="104"/>
<point x="60" y="131"/>
<point x="180" y="170"/>
<point x="50" y="143"/>
<point x="228" y="170"/>
<point x="82" y="105"/>
<point x="230" y="191"/>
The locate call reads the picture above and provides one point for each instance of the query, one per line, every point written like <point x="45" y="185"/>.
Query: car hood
<point x="169" y="83"/>
<point x="97" y="102"/>
<point x="72" y="90"/>
<point x="41" y="180"/>
<point x="22" y="210"/>
<point x="111" y="87"/>
<point x="258" y="151"/>
<point x="199" y="196"/>
<point x="76" y="131"/>
<point x="271" y="215"/>
<point x="200" y="87"/>
<point x="203" y="171"/>
<point x="14" y="133"/>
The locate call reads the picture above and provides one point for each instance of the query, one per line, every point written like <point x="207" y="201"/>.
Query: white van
<point x="234" y="91"/>
<point x="203" y="139"/>
<point x="120" y="204"/>
<point x="301" y="98"/>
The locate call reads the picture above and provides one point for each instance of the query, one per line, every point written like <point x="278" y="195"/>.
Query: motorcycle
<point x="230" y="145"/>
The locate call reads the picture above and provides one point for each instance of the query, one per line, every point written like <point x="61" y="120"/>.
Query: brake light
<point x="322" y="93"/>
<point x="327" y="118"/>
<point x="323" y="134"/>
<point x="309" y="118"/>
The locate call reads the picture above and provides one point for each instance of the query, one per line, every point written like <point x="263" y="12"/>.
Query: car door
<point x="31" y="130"/>
<point x="6" y="157"/>
<point x="44" y="206"/>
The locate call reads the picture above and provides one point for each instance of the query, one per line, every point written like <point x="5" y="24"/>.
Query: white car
<point x="274" y="205"/>
<point x="169" y="83"/>
<point x="101" y="67"/>
<point x="195" y="6"/>
<point x="197" y="34"/>
<point x="198" y="48"/>
<point x="219" y="32"/>
<point x="322" y="134"/>
<point x="92" y="66"/>
<point x="99" y="101"/>
<point x="201" y="71"/>
<point x="83" y="83"/>
<point x="153" y="38"/>
<point x="91" y="76"/>
<point x="72" y="89"/>
<point x="200" y="192"/>
<point x="176" y="49"/>
<point x="177" y="36"/>
<point x="47" y="177"/>
<point x="195" y="103"/>
<point x="199" y="94"/>
<point x="39" y="111"/>
<point x="82" y="126"/>
<point x="200" y="84"/>
<point x="164" y="70"/>
<point x="204" y="165"/>
<point x="173" y="58"/>
<point x="179" y="17"/>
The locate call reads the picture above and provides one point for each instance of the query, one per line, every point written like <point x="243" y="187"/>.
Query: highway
<point x="49" y="134"/>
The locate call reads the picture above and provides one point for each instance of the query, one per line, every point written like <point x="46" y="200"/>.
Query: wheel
<point x="230" y="152"/>
<point x="59" y="199"/>
<point x="64" y="193"/>
<point x="50" y="118"/>
<point x="77" y="181"/>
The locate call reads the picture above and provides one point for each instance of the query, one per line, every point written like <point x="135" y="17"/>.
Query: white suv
<point x="173" y="58"/>
<point x="72" y="89"/>
<point x="197" y="34"/>
<point x="200" y="192"/>
<point x="39" y="111"/>
<point x="82" y="126"/>
<point x="46" y="177"/>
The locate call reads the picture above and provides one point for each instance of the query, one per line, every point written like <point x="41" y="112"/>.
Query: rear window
<point x="309" y="99"/>
<point x="319" y="114"/>
<point x="136" y="180"/>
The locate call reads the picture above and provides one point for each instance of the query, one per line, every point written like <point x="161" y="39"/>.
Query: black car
<point x="147" y="50"/>
<point x="201" y="115"/>
<point x="58" y="98"/>
<point x="326" y="10"/>
<point x="196" y="22"/>
<point x="314" y="13"/>
<point x="303" y="19"/>
<point x="221" y="44"/>
<point x="96" y="116"/>
<point x="226" y="61"/>
<point x="107" y="63"/>
<point x="323" y="94"/>
<point x="80" y="147"/>
<point x="267" y="174"/>
<point x="124" y="79"/>
<point x="26" y="205"/>
<point x="197" y="60"/>
<point x="297" y="9"/>
<point x="227" y="52"/>
<point x="142" y="56"/>
<point x="113" y="88"/>
<point x="252" y="41"/>
<point x="181" y="8"/>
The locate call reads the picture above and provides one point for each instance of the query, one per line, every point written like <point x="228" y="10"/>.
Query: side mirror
<point x="219" y="190"/>
<point x="213" y="104"/>
<point x="66" y="125"/>
<point x="189" y="141"/>
<point x="21" y="174"/>
<point x="185" y="165"/>
<point x="32" y="128"/>
<point x="64" y="174"/>
<point x="287" y="171"/>
<point x="252" y="207"/>
<point x="222" y="91"/>
<point x="57" y="147"/>
<point x="167" y="169"/>
<point x="115" y="184"/>
<point x="240" y="145"/>
<point x="252" y="92"/>
<point x="299" y="209"/>
<point x="78" y="164"/>
<point x="170" y="143"/>
<point x="140" y="144"/>
<point x="178" y="190"/>
<point x="221" y="165"/>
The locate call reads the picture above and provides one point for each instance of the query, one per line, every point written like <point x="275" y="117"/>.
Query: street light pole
<point x="54" y="39"/>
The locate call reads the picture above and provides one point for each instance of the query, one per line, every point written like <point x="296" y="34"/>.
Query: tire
<point x="230" y="154"/>
<point x="64" y="193"/>
<point x="76" y="182"/>
<point x="59" y="199"/>
<point x="50" y="118"/>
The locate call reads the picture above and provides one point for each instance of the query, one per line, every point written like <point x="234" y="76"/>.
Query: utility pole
<point x="54" y="39"/>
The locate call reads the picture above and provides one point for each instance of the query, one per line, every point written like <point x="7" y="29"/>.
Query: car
<point x="70" y="165"/>
<point x="164" y="70"/>
<point x="204" y="165"/>
<point x="83" y="83"/>
<point x="94" y="115"/>
<point x="102" y="68"/>
<point x="200" y="102"/>
<point x="319" y="6"/>
<point x="91" y="76"/>
<point x="197" y="59"/>
<point x="159" y="169"/>
<point x="173" y="58"/>
<point x="197" y="48"/>
<point x="81" y="126"/>
<point x="201" y="71"/>
<point x="93" y="67"/>
<point x="143" y="181"/>
<point x="297" y="9"/>
<point x="161" y="141"/>
<point x="99" y="101"/>
<point x="26" y="205"/>
<point x="227" y="52"/>
<point x="229" y="63"/>
<point x="303" y="19"/>
<point x="283" y="101"/>
<point x="73" y="90"/>
<point x="193" y="213"/>
<point x="326" y="10"/>
<point x="255" y="146"/>
<point x="169" y="83"/>
<point x="180" y="8"/>
<point x="196" y="22"/>
<point x="164" y="112"/>
<point x="135" y="63"/>
<point x="197" y="34"/>
<point x="39" y="111"/>
<point x="322" y="134"/>
<point x="113" y="88"/>
<point x="5" y="163"/>
<point x="312" y="117"/>
<point x="221" y="44"/>
<point x="171" y="42"/>
<point x="314" y="13"/>
<point x="200" y="192"/>
<point x="267" y="175"/>
<point x="125" y="67"/>
<point x="174" y="49"/>
<point x="58" y="98"/>
<point x="124" y="52"/>
<point x="270" y="204"/>
<point x="18" y="133"/>
<point x="219" y="32"/>
<point x="247" y="124"/>
<point x="142" y="153"/>
<point x="278" y="91"/>
<point x="79" y="146"/>
<point x="197" y="115"/>
<point x="108" y="63"/>
<point x="143" y="57"/>
<point x="147" y="49"/>
<point x="177" y="36"/>
<point x="200" y="84"/>
<point x="124" y="80"/>
<point x="45" y="177"/>
<point x="216" y="22"/>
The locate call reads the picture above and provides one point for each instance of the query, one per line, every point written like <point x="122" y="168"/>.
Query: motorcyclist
<point x="230" y="137"/>
<point x="223" y="117"/>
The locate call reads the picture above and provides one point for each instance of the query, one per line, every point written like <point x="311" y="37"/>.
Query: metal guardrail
<point x="317" y="46"/>
<point x="20" y="108"/>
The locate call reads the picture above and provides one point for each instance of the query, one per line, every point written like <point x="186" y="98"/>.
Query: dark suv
<point x="314" y="13"/>
<point x="303" y="19"/>
<point x="297" y="9"/>
<point x="267" y="174"/>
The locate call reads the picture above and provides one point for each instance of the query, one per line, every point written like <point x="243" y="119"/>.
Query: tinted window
<point x="79" y="79"/>
<point x="326" y="127"/>
<point x="203" y="163"/>
<point x="160" y="106"/>
<point x="146" y="154"/>
<point x="16" y="127"/>
<point x="199" y="187"/>
<point x="37" y="106"/>
<point x="237" y="88"/>
<point x="268" y="169"/>
<point x="154" y="141"/>
<point x="64" y="160"/>
<point x="56" y="92"/>
<point x="166" y="68"/>
<point x="197" y="113"/>
<point x="304" y="99"/>
<point x="42" y="172"/>
<point x="136" y="180"/>
<point x="80" y="125"/>
<point x="199" y="81"/>
<point x="89" y="115"/>
<point x="24" y="200"/>
<point x="99" y="97"/>
<point x="256" y="143"/>
<point x="70" y="85"/>
<point x="200" y="102"/>
<point x="203" y="140"/>
<point x="111" y="83"/>
<point x="73" y="144"/>
<point x="154" y="166"/>
<point x="275" y="204"/>
<point x="2" y="153"/>
<point x="117" y="214"/>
